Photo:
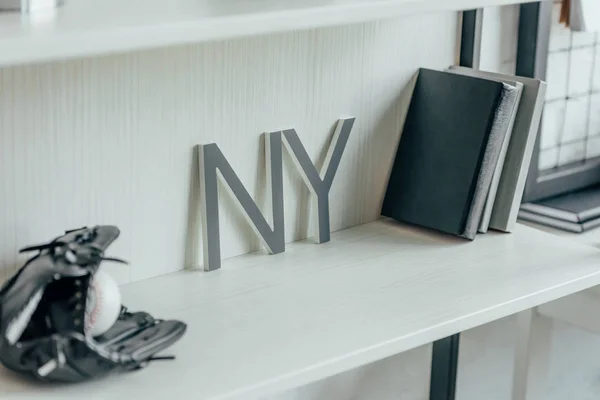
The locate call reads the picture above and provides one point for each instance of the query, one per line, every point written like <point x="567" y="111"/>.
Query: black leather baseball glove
<point x="42" y="314"/>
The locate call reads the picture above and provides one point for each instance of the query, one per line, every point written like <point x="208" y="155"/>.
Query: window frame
<point x="535" y="21"/>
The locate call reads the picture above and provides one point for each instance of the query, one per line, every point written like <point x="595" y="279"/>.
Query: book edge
<point x="510" y="218"/>
<point x="489" y="156"/>
<point x="547" y="221"/>
<point x="494" y="187"/>
<point x="550" y="212"/>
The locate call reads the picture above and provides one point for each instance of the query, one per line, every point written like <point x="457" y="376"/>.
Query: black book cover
<point x="576" y="227"/>
<point x="579" y="206"/>
<point x="436" y="172"/>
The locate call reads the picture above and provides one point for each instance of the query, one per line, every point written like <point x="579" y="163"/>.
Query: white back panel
<point x="109" y="140"/>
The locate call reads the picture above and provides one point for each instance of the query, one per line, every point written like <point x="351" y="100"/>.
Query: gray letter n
<point x="212" y="164"/>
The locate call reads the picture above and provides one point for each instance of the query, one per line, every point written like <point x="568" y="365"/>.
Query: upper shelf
<point x="92" y="27"/>
<point x="267" y="323"/>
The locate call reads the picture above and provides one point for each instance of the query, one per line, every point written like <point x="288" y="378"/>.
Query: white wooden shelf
<point x="92" y="27"/>
<point x="267" y="323"/>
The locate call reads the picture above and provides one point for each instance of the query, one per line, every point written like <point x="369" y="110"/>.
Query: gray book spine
<point x="491" y="199"/>
<point x="514" y="176"/>
<point x="490" y="159"/>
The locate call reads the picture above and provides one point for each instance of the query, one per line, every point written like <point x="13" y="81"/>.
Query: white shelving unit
<point x="264" y="323"/>
<point x="93" y="27"/>
<point x="267" y="323"/>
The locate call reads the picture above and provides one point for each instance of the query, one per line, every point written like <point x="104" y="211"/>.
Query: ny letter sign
<point x="214" y="167"/>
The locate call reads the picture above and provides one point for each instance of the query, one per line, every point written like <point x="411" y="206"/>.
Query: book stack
<point x="464" y="152"/>
<point x="574" y="212"/>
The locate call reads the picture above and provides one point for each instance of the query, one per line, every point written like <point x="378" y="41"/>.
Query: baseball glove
<point x="42" y="316"/>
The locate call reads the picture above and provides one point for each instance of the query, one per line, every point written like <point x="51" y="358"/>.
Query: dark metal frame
<point x="444" y="359"/>
<point x="535" y="20"/>
<point x="444" y="368"/>
<point x="470" y="38"/>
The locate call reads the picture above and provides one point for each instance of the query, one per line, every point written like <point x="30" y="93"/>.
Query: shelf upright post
<point x="444" y="359"/>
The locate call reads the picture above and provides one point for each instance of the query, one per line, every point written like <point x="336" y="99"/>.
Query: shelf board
<point x="267" y="323"/>
<point x="93" y="27"/>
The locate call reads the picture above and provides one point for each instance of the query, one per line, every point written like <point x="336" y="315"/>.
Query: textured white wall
<point x="499" y="39"/>
<point x="109" y="140"/>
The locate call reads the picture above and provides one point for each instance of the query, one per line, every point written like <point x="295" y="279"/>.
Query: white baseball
<point x="103" y="304"/>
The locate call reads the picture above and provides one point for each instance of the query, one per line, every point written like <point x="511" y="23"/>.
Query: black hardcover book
<point x="576" y="227"/>
<point x="579" y="206"/>
<point x="447" y="153"/>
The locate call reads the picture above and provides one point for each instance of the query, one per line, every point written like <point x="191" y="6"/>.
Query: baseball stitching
<point x="93" y="313"/>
